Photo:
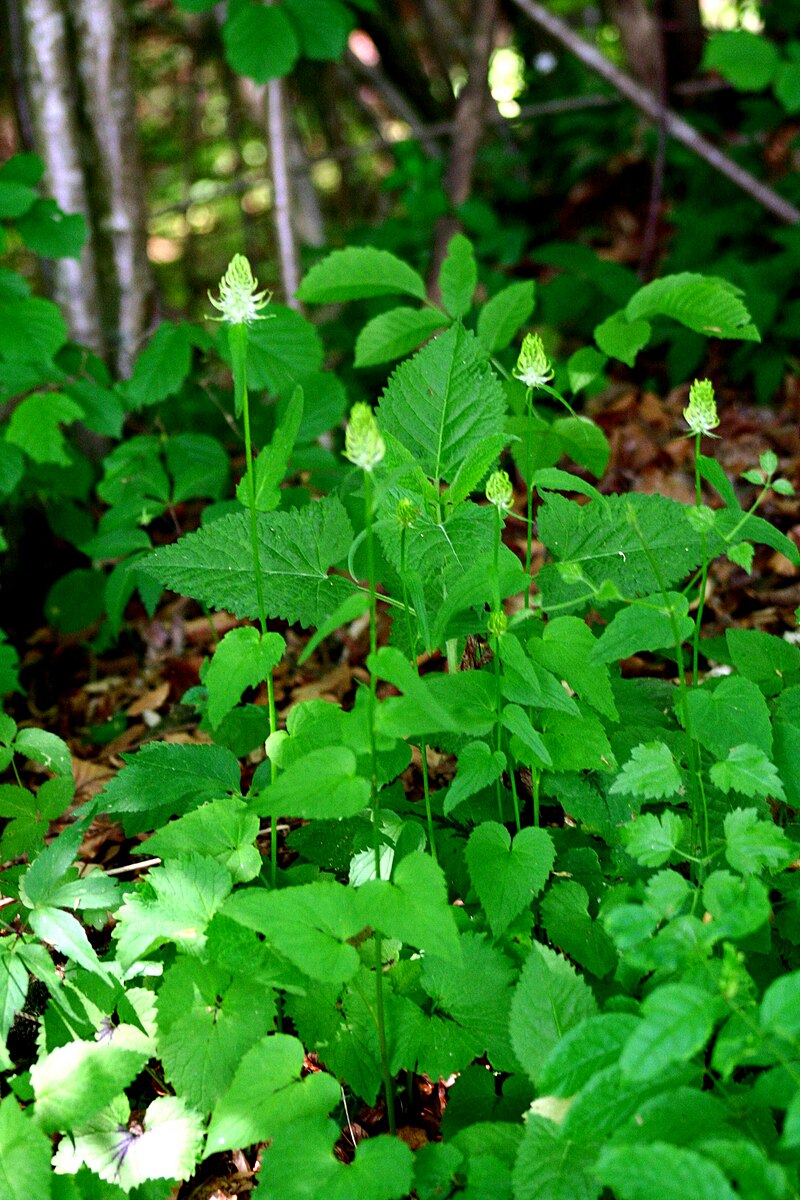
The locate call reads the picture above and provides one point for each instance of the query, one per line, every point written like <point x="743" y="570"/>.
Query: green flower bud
<point x="406" y="513"/>
<point x="363" y="444"/>
<point x="497" y="624"/>
<point x="701" y="413"/>
<point x="499" y="490"/>
<point x="240" y="302"/>
<point x="533" y="366"/>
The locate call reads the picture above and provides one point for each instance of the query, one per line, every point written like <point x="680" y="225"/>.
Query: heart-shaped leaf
<point x="507" y="876"/>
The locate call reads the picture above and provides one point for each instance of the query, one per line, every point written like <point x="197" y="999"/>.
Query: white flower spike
<point x="363" y="444"/>
<point x="533" y="366"/>
<point x="701" y="412"/>
<point x="240" y="302"/>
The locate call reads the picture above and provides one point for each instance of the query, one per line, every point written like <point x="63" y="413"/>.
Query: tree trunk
<point x="52" y="116"/>
<point x="104" y="69"/>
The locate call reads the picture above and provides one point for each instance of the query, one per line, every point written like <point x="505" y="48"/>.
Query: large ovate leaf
<point x="618" y="540"/>
<point x="570" y="927"/>
<point x="649" y="626"/>
<point x="506" y="312"/>
<point x="224" y="829"/>
<point x="505" y="876"/>
<point x="260" y="42"/>
<point x="165" y="775"/>
<point x="163" y="365"/>
<point x="75" y="1081"/>
<point x="35" y="426"/>
<point x="321" y="25"/>
<point x="551" y="1166"/>
<point x="442" y="403"/>
<point x="322" y="785"/>
<point x="357" y="273"/>
<point x="550" y="999"/>
<point x="657" y="1169"/>
<point x="165" y="1145"/>
<point x="703" y="303"/>
<point x="748" y="60"/>
<point x="752" y="845"/>
<point x="267" y="1094"/>
<point x="33" y="329"/>
<point x="414" y="907"/>
<point x="458" y="276"/>
<point x="296" y="550"/>
<point x="25" y="1154"/>
<point x="677" y="1022"/>
<point x="244" y="658"/>
<point x="271" y="464"/>
<point x="302" y="1154"/>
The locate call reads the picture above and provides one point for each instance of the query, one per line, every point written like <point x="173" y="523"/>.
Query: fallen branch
<point x="644" y="100"/>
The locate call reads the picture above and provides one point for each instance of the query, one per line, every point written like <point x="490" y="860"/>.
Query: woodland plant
<point x="590" y="929"/>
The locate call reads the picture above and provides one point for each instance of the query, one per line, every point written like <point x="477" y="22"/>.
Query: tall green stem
<point x="237" y="337"/>
<point x="376" y="830"/>
<point x="412" y="641"/>
<point x="703" y="570"/>
<point x="529" y="535"/>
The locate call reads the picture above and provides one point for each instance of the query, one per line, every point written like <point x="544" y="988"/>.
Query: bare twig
<point x="644" y="100"/>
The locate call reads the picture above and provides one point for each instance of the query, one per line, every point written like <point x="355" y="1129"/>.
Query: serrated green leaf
<point x="223" y="829"/>
<point x="678" y="1021"/>
<point x="311" y="925"/>
<point x="458" y="276"/>
<point x="163" y="365"/>
<point x="762" y="657"/>
<point x="739" y="904"/>
<point x="164" y="1145"/>
<point x="207" y="1022"/>
<point x="383" y="1168"/>
<point x="46" y="748"/>
<point x="517" y="722"/>
<point x="747" y="770"/>
<point x="733" y="713"/>
<point x="549" y="1000"/>
<point x="73" y="1082"/>
<point x="752" y="845"/>
<point x="658" y="1169"/>
<point x="33" y="329"/>
<point x="442" y="403"/>
<point x="507" y="877"/>
<point x="478" y="767"/>
<point x="357" y="273"/>
<point x="177" y="903"/>
<point x="322" y="27"/>
<point x="296" y="550"/>
<point x="504" y="314"/>
<point x="565" y="914"/>
<point x="267" y="1094"/>
<point x="583" y="367"/>
<point x="650" y="773"/>
<point x="282" y="352"/>
<point x="413" y="907"/>
<point x="566" y="648"/>
<point x="588" y="1048"/>
<point x="323" y="784"/>
<point x="199" y="467"/>
<point x="48" y="231"/>
<point x="171" y="777"/>
<point x="615" y="541"/>
<point x="552" y="1167"/>
<point x="271" y="464"/>
<point x="780" y="1007"/>
<point x="35" y="426"/>
<point x="244" y="658"/>
<point x="25" y="1154"/>
<point x="60" y="929"/>
<point x="260" y="42"/>
<point x="474" y="468"/>
<point x="644" y="627"/>
<point x="652" y="840"/>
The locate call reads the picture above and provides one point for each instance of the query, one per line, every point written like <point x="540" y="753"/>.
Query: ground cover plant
<point x="555" y="897"/>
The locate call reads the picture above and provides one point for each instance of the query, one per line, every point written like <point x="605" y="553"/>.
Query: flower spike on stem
<point x="533" y="366"/>
<point x="701" y="412"/>
<point x="240" y="302"/>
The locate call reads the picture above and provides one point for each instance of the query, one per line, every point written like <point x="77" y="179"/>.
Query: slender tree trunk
<point x="52" y="110"/>
<point x="104" y="68"/>
<point x="470" y="121"/>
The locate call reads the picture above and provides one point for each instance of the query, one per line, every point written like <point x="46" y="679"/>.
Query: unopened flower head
<point x="701" y="412"/>
<point x="497" y="623"/>
<point x="533" y="366"/>
<point x="363" y="444"/>
<point x="406" y="513"/>
<point x="499" y="490"/>
<point x="240" y="301"/>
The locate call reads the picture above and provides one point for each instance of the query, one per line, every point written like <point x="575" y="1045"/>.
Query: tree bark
<point x="282" y="193"/>
<point x="470" y="120"/>
<point x="52" y="108"/>
<point x="104" y="68"/>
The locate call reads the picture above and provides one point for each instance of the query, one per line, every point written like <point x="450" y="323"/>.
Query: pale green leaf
<point x="73" y="1082"/>
<point x="644" y="627"/>
<point x="652" y="840"/>
<point x="780" y="1007"/>
<point x="570" y="927"/>
<point x="583" y="367"/>
<point x="413" y="907"/>
<point x="33" y="330"/>
<point x="244" y="658"/>
<point x="551" y="1166"/>
<point x="271" y="463"/>
<point x="619" y="337"/>
<point x="746" y="59"/>
<point x="322" y="27"/>
<point x="301" y="1157"/>
<point x="566" y="648"/>
<point x="25" y="1154"/>
<point x="323" y="784"/>
<point x="163" y="365"/>
<point x="359" y="272"/>
<point x="703" y="303"/>
<point x="62" y="930"/>
<point x="458" y="276"/>
<point x="739" y="904"/>
<point x="733" y="713"/>
<point x="395" y="333"/>
<point x="588" y="1048"/>
<point x="747" y="770"/>
<point x="650" y="773"/>
<point x="224" y="829"/>
<point x="478" y="767"/>
<point x="752" y="845"/>
<point x="35" y="426"/>
<point x="504" y="314"/>
<point x="657" y="1169"/>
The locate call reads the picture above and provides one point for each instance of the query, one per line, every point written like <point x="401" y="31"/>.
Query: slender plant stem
<point x="529" y="533"/>
<point x="376" y="830"/>
<point x="238" y="344"/>
<point x="423" y="748"/>
<point x="703" y="570"/>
